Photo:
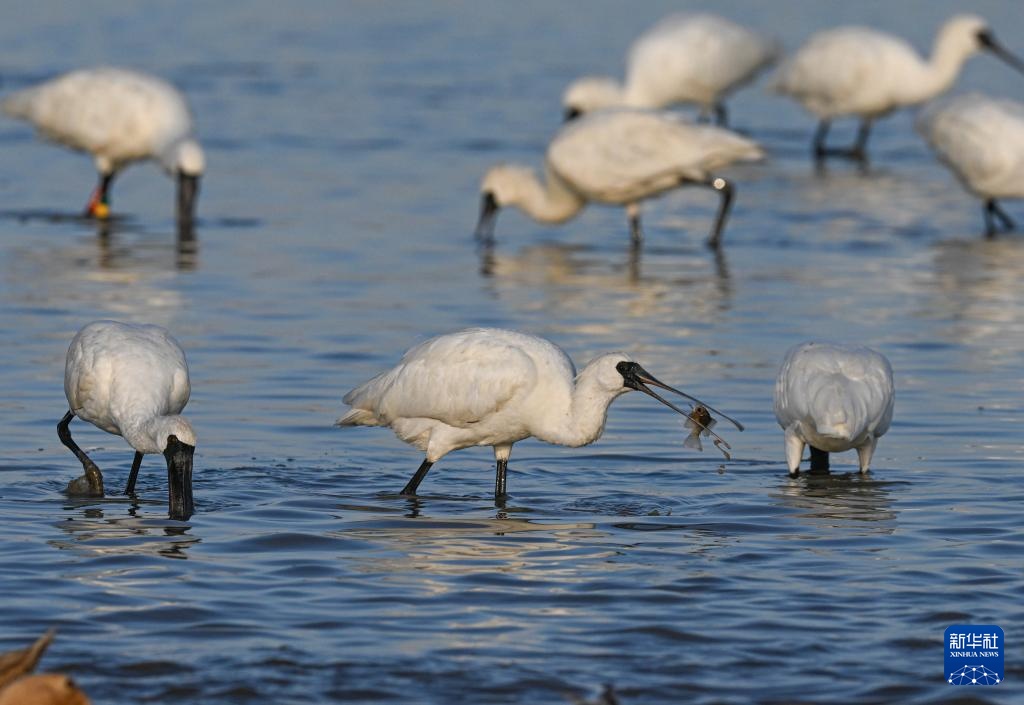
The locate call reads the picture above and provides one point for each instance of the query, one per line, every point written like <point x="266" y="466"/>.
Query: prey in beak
<point x="989" y="43"/>
<point x="488" y="216"/>
<point x="179" y="478"/>
<point x="636" y="377"/>
<point x="188" y="194"/>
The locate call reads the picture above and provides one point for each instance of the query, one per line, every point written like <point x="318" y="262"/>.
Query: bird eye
<point x="985" y="38"/>
<point x="625" y="367"/>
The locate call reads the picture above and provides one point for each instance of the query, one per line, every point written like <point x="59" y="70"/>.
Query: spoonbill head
<point x="862" y="72"/>
<point x="833" y="398"/>
<point x="618" y="157"/>
<point x="119" y="117"/>
<point x="981" y="139"/>
<point x="685" y="58"/>
<point x="494" y="387"/>
<point x="132" y="381"/>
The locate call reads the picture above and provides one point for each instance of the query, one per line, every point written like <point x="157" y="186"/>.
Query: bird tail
<point x="358" y="417"/>
<point x="18" y="104"/>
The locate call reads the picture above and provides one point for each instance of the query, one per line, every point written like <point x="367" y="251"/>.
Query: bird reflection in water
<point x="659" y="280"/>
<point x="97" y="534"/>
<point x="839" y="500"/>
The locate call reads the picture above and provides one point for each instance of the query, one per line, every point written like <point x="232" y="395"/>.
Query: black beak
<point x="572" y="113"/>
<point x="636" y="377"/>
<point x="988" y="41"/>
<point x="488" y="216"/>
<point x="188" y="193"/>
<point x="179" y="478"/>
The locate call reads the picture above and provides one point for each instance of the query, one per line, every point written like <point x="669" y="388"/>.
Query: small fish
<point x="700" y="424"/>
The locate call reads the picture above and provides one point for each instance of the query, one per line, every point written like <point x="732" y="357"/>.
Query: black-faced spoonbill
<point x="981" y="139"/>
<point x="618" y="156"/>
<point x="119" y="117"/>
<point x="132" y="381"/>
<point x="685" y="58"/>
<point x="833" y="398"/>
<point x="493" y="387"/>
<point x="865" y="73"/>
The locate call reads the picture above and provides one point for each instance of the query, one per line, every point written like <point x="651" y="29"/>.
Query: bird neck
<point x="148" y="434"/>
<point x="949" y="53"/>
<point x="578" y="418"/>
<point x="550" y="202"/>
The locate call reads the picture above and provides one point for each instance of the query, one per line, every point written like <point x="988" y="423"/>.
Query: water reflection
<point x="97" y="531"/>
<point x="827" y="501"/>
<point x="566" y="278"/>
<point x="977" y="290"/>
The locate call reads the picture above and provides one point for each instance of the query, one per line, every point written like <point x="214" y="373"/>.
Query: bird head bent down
<point x="590" y="93"/>
<point x="186" y="162"/>
<point x="636" y="377"/>
<point x="502" y="185"/>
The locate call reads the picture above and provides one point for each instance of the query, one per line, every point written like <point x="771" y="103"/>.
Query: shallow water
<point x="345" y="144"/>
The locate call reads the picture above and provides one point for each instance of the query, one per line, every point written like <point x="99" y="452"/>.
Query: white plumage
<point x="493" y="387"/>
<point x="132" y="381"/>
<point x="981" y="139"/>
<point x="685" y="58"/>
<point x="833" y="398"/>
<point x="618" y="157"/>
<point x="866" y="73"/>
<point x="119" y="117"/>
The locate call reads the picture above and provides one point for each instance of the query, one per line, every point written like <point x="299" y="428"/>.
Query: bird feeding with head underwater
<point x="495" y="387"/>
<point x="120" y="117"/>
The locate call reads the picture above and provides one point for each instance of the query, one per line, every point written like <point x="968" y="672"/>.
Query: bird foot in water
<point x="88" y="485"/>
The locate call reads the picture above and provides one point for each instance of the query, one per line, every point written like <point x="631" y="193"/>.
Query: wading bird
<point x="493" y="387"/>
<point x="981" y="139"/>
<point x="119" y="117"/>
<point x="619" y="157"/>
<point x="865" y="73"/>
<point x="132" y="381"/>
<point x="833" y="398"/>
<point x="685" y="58"/>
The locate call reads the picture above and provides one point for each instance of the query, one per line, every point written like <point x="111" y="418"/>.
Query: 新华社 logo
<point x="974" y="654"/>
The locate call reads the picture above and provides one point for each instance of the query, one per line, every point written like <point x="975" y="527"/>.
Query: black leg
<point x="725" y="191"/>
<point x="989" y="213"/>
<point x="99" y="202"/>
<point x="129" y="489"/>
<point x="421" y="472"/>
<point x="721" y="115"/>
<point x="819" y="148"/>
<point x="819" y="460"/>
<point x="93" y="485"/>
<point x="636" y="233"/>
<point x="1000" y="214"/>
<point x="500" y="478"/>
<point x="860" y="147"/>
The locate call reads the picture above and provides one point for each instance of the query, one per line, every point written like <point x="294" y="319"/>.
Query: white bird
<point x="132" y="381"/>
<point x="620" y="157"/>
<point x="866" y="73"/>
<point x="685" y="58"/>
<point x="833" y="398"/>
<point x="118" y="116"/>
<point x="493" y="387"/>
<point x="981" y="139"/>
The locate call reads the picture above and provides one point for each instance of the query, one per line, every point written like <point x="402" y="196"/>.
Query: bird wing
<point x="623" y="155"/>
<point x="980" y="139"/>
<point x="695" y="57"/>
<point x="457" y="379"/>
<point x="846" y="70"/>
<point x="116" y="371"/>
<point x="120" y="114"/>
<point x="812" y="372"/>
